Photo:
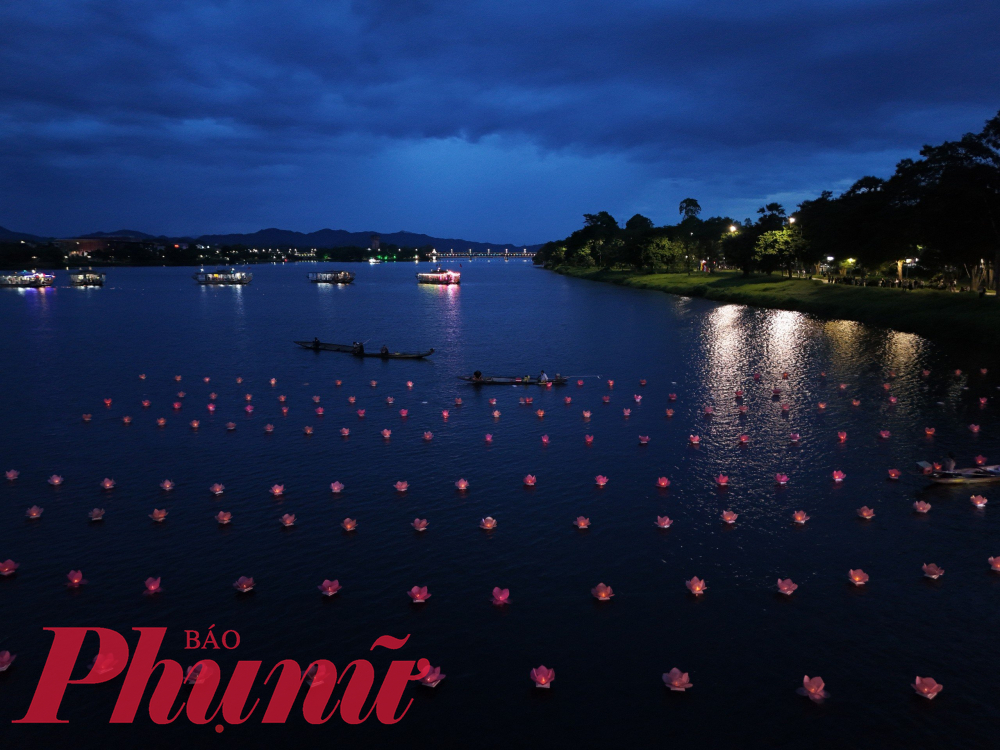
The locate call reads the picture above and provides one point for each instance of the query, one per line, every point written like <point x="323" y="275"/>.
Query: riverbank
<point x="946" y="317"/>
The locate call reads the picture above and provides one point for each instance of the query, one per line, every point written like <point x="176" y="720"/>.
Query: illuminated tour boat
<point x="439" y="276"/>
<point x="28" y="279"/>
<point x="223" y="276"/>
<point x="86" y="278"/>
<point x="331" y="277"/>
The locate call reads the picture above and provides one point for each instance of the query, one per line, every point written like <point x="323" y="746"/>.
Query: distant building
<point x="374" y="243"/>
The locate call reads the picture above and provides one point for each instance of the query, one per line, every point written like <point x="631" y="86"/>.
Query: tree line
<point x="940" y="211"/>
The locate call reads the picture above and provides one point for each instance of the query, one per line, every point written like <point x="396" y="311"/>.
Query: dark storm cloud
<point x="163" y="112"/>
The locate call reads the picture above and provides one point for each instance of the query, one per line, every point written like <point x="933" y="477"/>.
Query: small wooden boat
<point x="974" y="475"/>
<point x="28" y="279"/>
<point x="331" y="277"/>
<point x="86" y="278"/>
<point x="322" y="346"/>
<point x="439" y="276"/>
<point x="223" y="276"/>
<point x="510" y="380"/>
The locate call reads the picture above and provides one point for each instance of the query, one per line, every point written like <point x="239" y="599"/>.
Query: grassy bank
<point x="947" y="317"/>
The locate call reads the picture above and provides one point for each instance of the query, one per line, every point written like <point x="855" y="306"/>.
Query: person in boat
<point x="315" y="343"/>
<point x="949" y="462"/>
<point x="384" y="350"/>
<point x="543" y="378"/>
<point x="358" y="349"/>
<point x="526" y="379"/>
<point x="477" y="375"/>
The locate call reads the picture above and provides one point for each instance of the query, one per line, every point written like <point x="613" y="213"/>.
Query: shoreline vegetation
<point x="941" y="316"/>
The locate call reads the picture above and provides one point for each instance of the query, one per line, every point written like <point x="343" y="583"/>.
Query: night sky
<point x="493" y="121"/>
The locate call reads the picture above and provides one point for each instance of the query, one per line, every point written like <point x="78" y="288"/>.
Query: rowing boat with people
<point x="510" y="380"/>
<point x="322" y="346"/>
<point x="973" y="475"/>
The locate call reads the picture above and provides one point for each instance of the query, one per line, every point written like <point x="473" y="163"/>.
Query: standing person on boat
<point x="315" y="343"/>
<point x="384" y="350"/>
<point x="949" y="462"/>
<point x="358" y="349"/>
<point x="477" y="375"/>
<point x="543" y="378"/>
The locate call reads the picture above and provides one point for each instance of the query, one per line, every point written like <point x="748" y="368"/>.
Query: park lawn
<point x="947" y="317"/>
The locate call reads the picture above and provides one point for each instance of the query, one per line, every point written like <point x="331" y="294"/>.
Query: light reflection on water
<point x="509" y="318"/>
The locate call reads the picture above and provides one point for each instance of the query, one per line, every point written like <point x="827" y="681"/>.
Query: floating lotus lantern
<point x="419" y="524"/>
<point x="926" y="687"/>
<point x="542" y="676"/>
<point x="696" y="586"/>
<point x="932" y="571"/>
<point x="602" y="593"/>
<point x="501" y="596"/>
<point x="418" y="594"/>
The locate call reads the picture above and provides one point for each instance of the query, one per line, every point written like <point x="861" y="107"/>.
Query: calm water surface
<point x="745" y="646"/>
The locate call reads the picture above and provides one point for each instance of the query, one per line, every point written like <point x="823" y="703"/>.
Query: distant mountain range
<point x="324" y="238"/>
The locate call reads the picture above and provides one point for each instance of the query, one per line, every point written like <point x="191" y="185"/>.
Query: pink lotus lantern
<point x="543" y="676"/>
<point x="287" y="520"/>
<point x="9" y="567"/>
<point x="729" y="517"/>
<point x="349" y="524"/>
<point x="428" y="435"/>
<point x="926" y="687"/>
<point x="462" y="485"/>
<point x="419" y="524"/>
<point x="223" y="518"/>
<point x="676" y="680"/>
<point x="857" y="577"/>
<point x="158" y="515"/>
<point x="980" y="460"/>
<point x="978" y="500"/>
<point x="501" y="596"/>
<point x="602" y="593"/>
<point x="663" y="522"/>
<point x="722" y="480"/>
<point x="644" y="440"/>
<point x="489" y="438"/>
<point x="97" y="514"/>
<point x="244" y="585"/>
<point x="329" y="588"/>
<point x="696" y="586"/>
<point x="386" y="434"/>
<point x="839" y="476"/>
<point x="669" y="412"/>
<point x="929" y="431"/>
<point x="744" y="439"/>
<point x="932" y="571"/>
<point x="894" y="474"/>
<point x="780" y="478"/>
<point x="344" y="432"/>
<point x="401" y="486"/>
<point x="694" y="439"/>
<point x="662" y="482"/>
<point x="974" y="428"/>
<point x="277" y="490"/>
<point x="55" y="480"/>
<point x="488" y="524"/>
<point x="529" y="480"/>
<point x="600" y="480"/>
<point x="786" y="586"/>
<point x="921" y="507"/>
<point x="74" y="579"/>
<point x="418" y="594"/>
<point x="812" y="688"/>
<point x="152" y="586"/>
<point x="34" y="512"/>
<point x="588" y="439"/>
<point x="800" y="517"/>
<point x="545" y="439"/>
<point x="581" y="522"/>
<point x="866" y="513"/>
<point x="107" y="484"/>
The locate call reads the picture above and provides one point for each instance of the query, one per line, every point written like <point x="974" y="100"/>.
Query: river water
<point x="745" y="646"/>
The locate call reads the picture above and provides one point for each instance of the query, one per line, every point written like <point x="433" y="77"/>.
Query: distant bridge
<point x="501" y="254"/>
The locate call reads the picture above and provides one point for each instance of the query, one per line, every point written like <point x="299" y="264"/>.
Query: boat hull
<point x="348" y="349"/>
<point x="504" y="380"/>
